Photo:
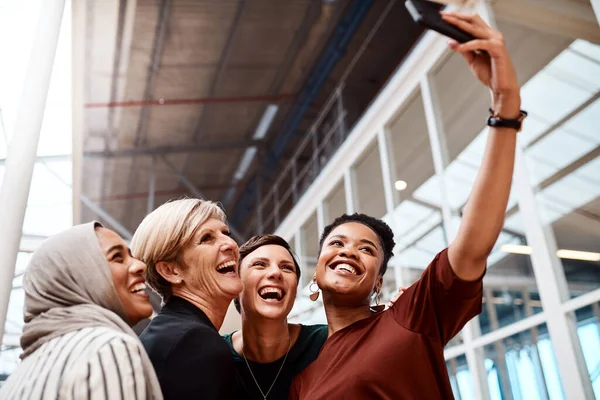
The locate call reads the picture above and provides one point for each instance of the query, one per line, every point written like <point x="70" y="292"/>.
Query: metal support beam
<point x="341" y="114"/>
<point x="21" y="155"/>
<point x="192" y="188"/>
<point x="332" y="53"/>
<point x="59" y="157"/>
<point x="223" y="61"/>
<point x="159" y="40"/>
<point x="152" y="186"/>
<point x="167" y="150"/>
<point x="120" y="229"/>
<point x="294" y="181"/>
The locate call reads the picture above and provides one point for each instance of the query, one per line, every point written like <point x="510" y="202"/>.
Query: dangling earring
<point x="314" y="293"/>
<point x="378" y="307"/>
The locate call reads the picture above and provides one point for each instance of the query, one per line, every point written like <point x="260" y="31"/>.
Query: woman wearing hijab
<point x="268" y="351"/>
<point x="398" y="353"/>
<point x="83" y="292"/>
<point x="192" y="264"/>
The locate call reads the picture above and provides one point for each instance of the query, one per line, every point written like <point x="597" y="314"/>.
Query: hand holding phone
<point x="428" y="15"/>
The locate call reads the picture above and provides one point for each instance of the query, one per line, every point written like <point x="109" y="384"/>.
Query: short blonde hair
<point x="166" y="231"/>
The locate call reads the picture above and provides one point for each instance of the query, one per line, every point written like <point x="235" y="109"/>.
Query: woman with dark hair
<point x="83" y="292"/>
<point x="399" y="353"/>
<point x="268" y="351"/>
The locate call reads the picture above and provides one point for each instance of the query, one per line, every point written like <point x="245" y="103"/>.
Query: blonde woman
<point x="83" y="292"/>
<point x="192" y="264"/>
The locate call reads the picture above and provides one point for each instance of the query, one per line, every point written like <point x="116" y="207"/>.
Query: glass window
<point x="416" y="219"/>
<point x="523" y="366"/>
<point x="588" y="330"/>
<point x="460" y="378"/>
<point x="563" y="160"/>
<point x="368" y="183"/>
<point x="335" y="203"/>
<point x="310" y="237"/>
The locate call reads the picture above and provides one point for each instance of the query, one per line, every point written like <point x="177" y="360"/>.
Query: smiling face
<point x="270" y="283"/>
<point x="127" y="274"/>
<point x="349" y="264"/>
<point x="211" y="261"/>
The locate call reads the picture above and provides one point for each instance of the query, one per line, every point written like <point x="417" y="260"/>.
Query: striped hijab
<point x="68" y="286"/>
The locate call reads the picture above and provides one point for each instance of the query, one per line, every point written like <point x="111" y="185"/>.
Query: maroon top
<point x="398" y="353"/>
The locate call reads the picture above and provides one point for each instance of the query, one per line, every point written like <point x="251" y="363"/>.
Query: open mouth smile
<point x="138" y="289"/>
<point x="271" y="294"/>
<point x="345" y="268"/>
<point x="227" y="267"/>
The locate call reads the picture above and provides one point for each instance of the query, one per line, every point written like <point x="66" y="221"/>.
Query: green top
<point x="303" y="352"/>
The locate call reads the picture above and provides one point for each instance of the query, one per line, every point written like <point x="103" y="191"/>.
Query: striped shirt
<point x="91" y="363"/>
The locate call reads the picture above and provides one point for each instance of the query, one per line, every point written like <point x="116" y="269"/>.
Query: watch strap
<point x="497" y="122"/>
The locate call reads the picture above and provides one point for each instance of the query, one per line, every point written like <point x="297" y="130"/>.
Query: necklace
<point x="276" y="376"/>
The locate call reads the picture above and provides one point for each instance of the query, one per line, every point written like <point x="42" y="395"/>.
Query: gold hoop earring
<point x="378" y="307"/>
<point x="314" y="293"/>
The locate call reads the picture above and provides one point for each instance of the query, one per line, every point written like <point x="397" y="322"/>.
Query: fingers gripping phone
<point x="426" y="14"/>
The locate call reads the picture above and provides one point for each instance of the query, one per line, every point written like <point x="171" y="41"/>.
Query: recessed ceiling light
<point x="400" y="185"/>
<point x="516" y="249"/>
<point x="561" y="253"/>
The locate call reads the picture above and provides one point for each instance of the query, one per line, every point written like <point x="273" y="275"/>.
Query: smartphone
<point x="428" y="15"/>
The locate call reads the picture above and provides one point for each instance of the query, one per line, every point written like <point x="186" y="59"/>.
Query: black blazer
<point x="191" y="359"/>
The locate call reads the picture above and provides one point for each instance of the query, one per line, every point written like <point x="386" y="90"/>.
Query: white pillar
<point x="321" y="217"/>
<point x="553" y="291"/>
<point x="439" y="152"/>
<point x="349" y="191"/>
<point x="596" y="7"/>
<point x="20" y="159"/>
<point x="78" y="35"/>
<point x="388" y="172"/>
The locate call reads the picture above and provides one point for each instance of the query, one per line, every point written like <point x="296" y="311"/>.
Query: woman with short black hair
<point x="399" y="353"/>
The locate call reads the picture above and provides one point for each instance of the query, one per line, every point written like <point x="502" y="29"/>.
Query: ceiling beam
<point x="165" y="150"/>
<point x="194" y="190"/>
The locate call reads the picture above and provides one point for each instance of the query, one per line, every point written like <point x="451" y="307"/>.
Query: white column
<point x="20" y="159"/>
<point x="78" y="35"/>
<point x="349" y="191"/>
<point x="439" y="152"/>
<point x="551" y="285"/>
<point x="388" y="172"/>
<point x="299" y="247"/>
<point x="321" y="216"/>
<point x="596" y="7"/>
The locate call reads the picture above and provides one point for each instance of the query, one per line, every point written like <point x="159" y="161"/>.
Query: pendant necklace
<point x="264" y="395"/>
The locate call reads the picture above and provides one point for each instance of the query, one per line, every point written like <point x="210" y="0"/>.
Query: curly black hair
<point x="382" y="230"/>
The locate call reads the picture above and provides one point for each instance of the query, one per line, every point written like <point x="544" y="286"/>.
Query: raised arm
<point x="483" y="216"/>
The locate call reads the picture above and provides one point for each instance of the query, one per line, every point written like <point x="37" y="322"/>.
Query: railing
<point x="324" y="137"/>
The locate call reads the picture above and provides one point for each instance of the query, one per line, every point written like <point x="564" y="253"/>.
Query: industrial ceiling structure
<point x="209" y="98"/>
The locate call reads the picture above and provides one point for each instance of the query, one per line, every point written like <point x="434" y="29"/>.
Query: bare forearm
<point x="483" y="216"/>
